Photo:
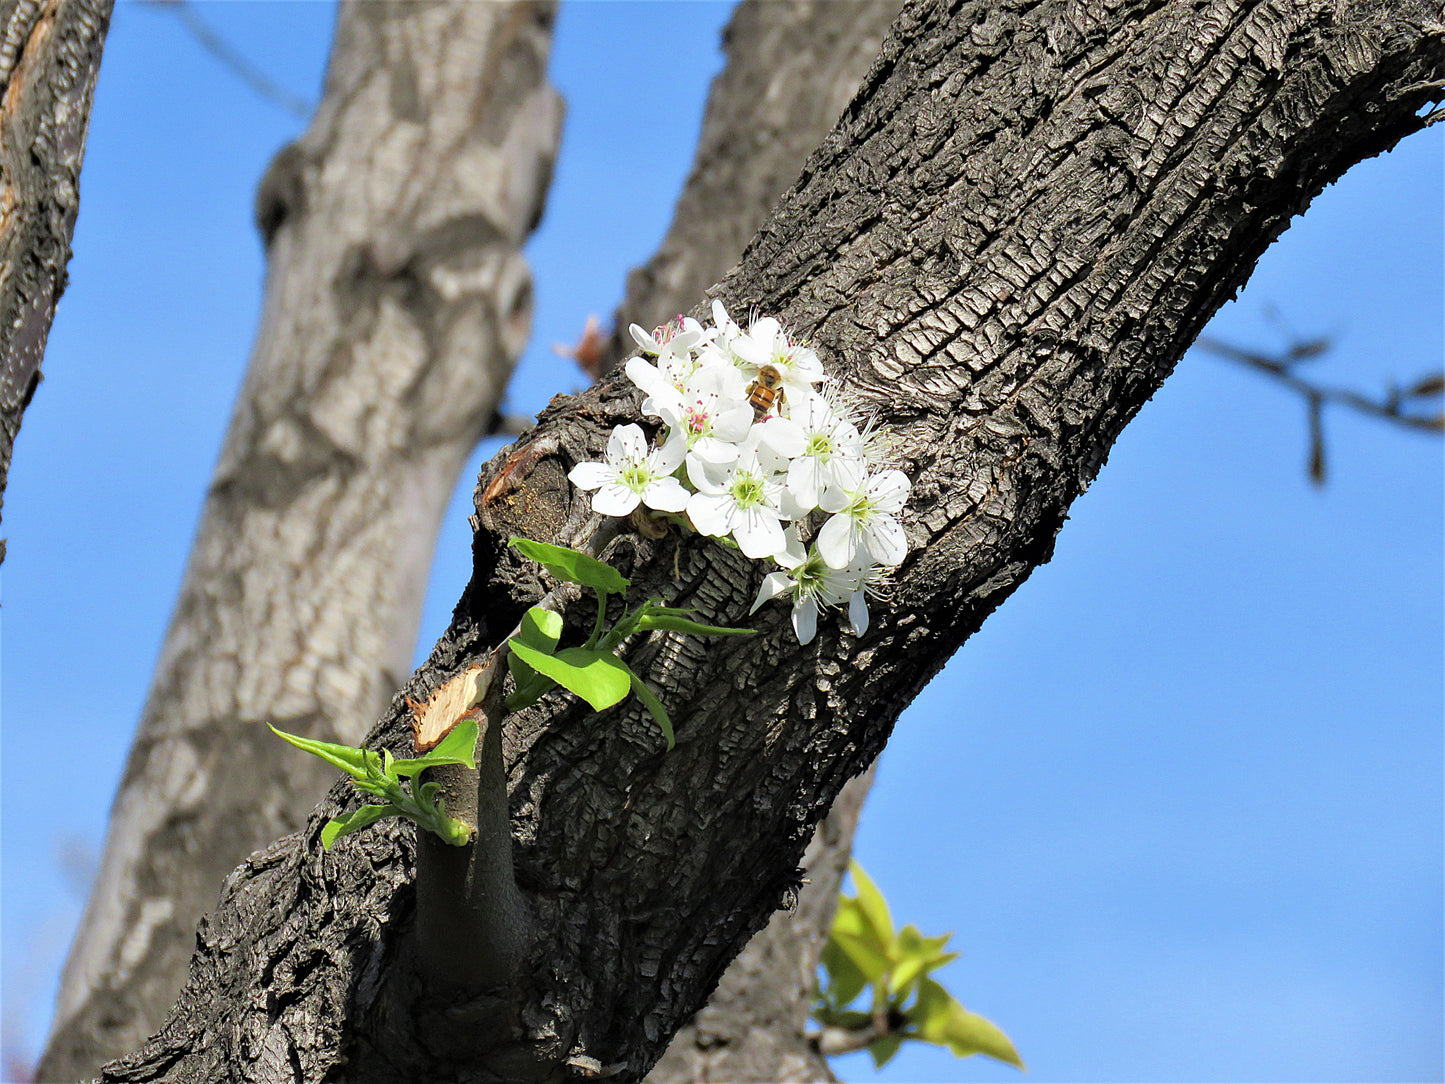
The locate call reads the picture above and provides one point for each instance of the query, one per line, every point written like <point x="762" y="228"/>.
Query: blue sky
<point x="1180" y="800"/>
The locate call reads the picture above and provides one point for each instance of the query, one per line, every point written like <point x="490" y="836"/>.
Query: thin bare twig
<point x="1398" y="406"/>
<point x="239" y="66"/>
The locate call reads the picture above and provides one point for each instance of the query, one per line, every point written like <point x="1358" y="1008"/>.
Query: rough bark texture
<point x="1015" y="231"/>
<point x="791" y="68"/>
<point x="397" y="301"/>
<point x="49" y="60"/>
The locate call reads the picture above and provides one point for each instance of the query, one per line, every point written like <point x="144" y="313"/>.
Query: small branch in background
<point x="588" y="353"/>
<point x="1409" y="407"/>
<point x="239" y="66"/>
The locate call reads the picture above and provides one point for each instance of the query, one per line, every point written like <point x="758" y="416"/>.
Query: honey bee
<point x="766" y="392"/>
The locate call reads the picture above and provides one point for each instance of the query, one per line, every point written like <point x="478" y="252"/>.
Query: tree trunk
<point x="1017" y="228"/>
<point x="397" y="302"/>
<point x="49" y="60"/>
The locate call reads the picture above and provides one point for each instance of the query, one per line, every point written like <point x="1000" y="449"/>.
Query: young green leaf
<point x="845" y="980"/>
<point x="597" y="677"/>
<point x="673" y="623"/>
<point x="458" y="747"/>
<point x="540" y="629"/>
<point x="942" y="1020"/>
<point x="883" y="1049"/>
<point x="573" y="566"/>
<point x="855" y="936"/>
<point x="872" y="903"/>
<point x="355" y="821"/>
<point x="355" y="762"/>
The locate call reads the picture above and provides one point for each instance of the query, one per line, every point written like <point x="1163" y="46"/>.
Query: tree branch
<point x="1013" y="234"/>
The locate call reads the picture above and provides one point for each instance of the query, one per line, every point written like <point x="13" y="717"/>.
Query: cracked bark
<point x="791" y="68"/>
<point x="49" y="60"/>
<point x="1015" y="231"/>
<point x="397" y="301"/>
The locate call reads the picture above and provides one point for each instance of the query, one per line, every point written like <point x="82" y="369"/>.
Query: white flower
<point x="864" y="528"/>
<point x="744" y="504"/>
<point x="832" y="457"/>
<point x="709" y="413"/>
<point x="679" y="336"/>
<point x="810" y="583"/>
<point x="632" y="475"/>
<point x="765" y="343"/>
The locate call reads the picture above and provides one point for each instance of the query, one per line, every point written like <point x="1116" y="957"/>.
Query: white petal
<point x="643" y="339"/>
<point x="884" y="539"/>
<point x="889" y="490"/>
<point x="591" y="475"/>
<point x="714" y="451"/>
<point x="758" y="532"/>
<point x="669" y="457"/>
<point x="783" y="435"/>
<point x="733" y="423"/>
<point x="645" y="375"/>
<point x="805" y="480"/>
<point x="774" y="584"/>
<point x="711" y="513"/>
<point x="858" y="612"/>
<point x="704" y="478"/>
<point x="805" y="619"/>
<point x="666" y="495"/>
<point x="627" y="444"/>
<point x="838" y="542"/>
<point x="614" y="500"/>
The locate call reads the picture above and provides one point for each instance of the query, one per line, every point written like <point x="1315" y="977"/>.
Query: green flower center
<point x="635" y="477"/>
<point x="747" y="490"/>
<point x="820" y="445"/>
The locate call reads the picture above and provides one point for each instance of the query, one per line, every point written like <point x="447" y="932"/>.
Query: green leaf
<point x="673" y="623"/>
<point x="883" y="1049"/>
<point x="458" y="747"/>
<point x="942" y="1020"/>
<point x="916" y="955"/>
<point x="597" y="677"/>
<point x="855" y="936"/>
<point x="871" y="901"/>
<point x="845" y="980"/>
<point x="540" y="629"/>
<point x="573" y="566"/>
<point x="355" y="821"/>
<point x="358" y="763"/>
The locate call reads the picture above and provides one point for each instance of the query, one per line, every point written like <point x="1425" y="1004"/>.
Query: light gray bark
<point x="1014" y="233"/>
<point x="397" y="301"/>
<point x="49" y="60"/>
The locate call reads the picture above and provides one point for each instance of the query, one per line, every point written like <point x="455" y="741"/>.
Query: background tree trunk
<point x="1016" y="230"/>
<point x="397" y="301"/>
<point x="49" y="60"/>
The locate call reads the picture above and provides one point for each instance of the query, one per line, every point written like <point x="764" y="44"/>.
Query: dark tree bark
<point x="791" y="68"/>
<point x="49" y="60"/>
<point x="397" y="301"/>
<point x="1013" y="234"/>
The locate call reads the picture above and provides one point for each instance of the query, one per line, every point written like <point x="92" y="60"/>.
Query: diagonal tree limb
<point x="1014" y="233"/>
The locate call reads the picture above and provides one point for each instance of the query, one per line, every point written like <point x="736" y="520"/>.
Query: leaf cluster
<point x="381" y="775"/>
<point x="865" y="955"/>
<point x="593" y="671"/>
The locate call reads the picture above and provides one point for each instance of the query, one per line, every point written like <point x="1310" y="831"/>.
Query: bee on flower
<point x="758" y="450"/>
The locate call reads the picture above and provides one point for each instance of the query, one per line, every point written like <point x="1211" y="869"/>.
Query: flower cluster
<point x="756" y="442"/>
